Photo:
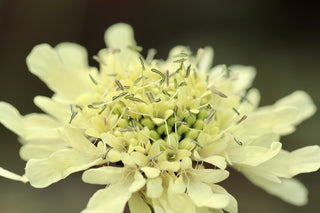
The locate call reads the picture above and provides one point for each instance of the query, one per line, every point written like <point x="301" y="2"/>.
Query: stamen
<point x="156" y="155"/>
<point x="236" y="111"/>
<point x="182" y="84"/>
<point x="167" y="77"/>
<point x="196" y="142"/>
<point x="151" y="97"/>
<point x="166" y="93"/>
<point x="104" y="156"/>
<point x="73" y="113"/>
<point x="131" y="98"/>
<point x="158" y="72"/>
<point x="142" y="63"/>
<point x="92" y="107"/>
<point x="241" y="119"/>
<point x="180" y="122"/>
<point x="126" y="129"/>
<point x="237" y="141"/>
<point x="217" y="92"/>
<point x="119" y="84"/>
<point x="102" y="109"/>
<point x="181" y="60"/>
<point x="118" y="96"/>
<point x="210" y="116"/>
<point x="188" y="71"/>
<point x="93" y="80"/>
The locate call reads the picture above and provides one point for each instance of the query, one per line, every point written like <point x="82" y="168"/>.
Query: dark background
<point x="279" y="38"/>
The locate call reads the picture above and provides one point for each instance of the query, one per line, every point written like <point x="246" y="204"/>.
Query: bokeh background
<point x="280" y="38"/>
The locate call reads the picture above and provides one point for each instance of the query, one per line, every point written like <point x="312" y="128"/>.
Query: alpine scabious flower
<point x="158" y="134"/>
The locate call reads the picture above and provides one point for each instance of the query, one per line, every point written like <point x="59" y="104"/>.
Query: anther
<point x="119" y="84"/>
<point x="241" y="119"/>
<point x="118" y="96"/>
<point x="210" y="116"/>
<point x="93" y="80"/>
<point x="217" y="92"/>
<point x="142" y="63"/>
<point x="73" y="113"/>
<point x="156" y="155"/>
<point x="237" y="141"/>
<point x="236" y="111"/>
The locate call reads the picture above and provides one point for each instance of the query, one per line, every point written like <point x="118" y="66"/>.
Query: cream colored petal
<point x="11" y="118"/>
<point x="210" y="175"/>
<point x="216" y="160"/>
<point x="112" y="141"/>
<point x="244" y="76"/>
<point x="119" y="35"/>
<point x="111" y="199"/>
<point x="301" y="101"/>
<point x="170" y="166"/>
<point x="278" y="120"/>
<point x="151" y="172"/>
<point x="61" y="112"/>
<point x="253" y="155"/>
<point x="45" y="62"/>
<point x="232" y="207"/>
<point x="43" y="172"/>
<point x="286" y="164"/>
<point x="180" y="203"/>
<point x="40" y="127"/>
<point x="178" y="186"/>
<point x="201" y="194"/>
<point x="154" y="187"/>
<point x="138" y="205"/>
<point x="10" y="175"/>
<point x="37" y="151"/>
<point x="139" y="158"/>
<point x="250" y="101"/>
<point x="78" y="141"/>
<point x="104" y="175"/>
<point x="206" y="59"/>
<point x="289" y="190"/>
<point x="73" y="55"/>
<point x="137" y="183"/>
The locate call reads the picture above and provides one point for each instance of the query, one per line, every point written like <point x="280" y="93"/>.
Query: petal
<point x="111" y="199"/>
<point x="10" y="175"/>
<point x="201" y="194"/>
<point x="178" y="186"/>
<point x="40" y="127"/>
<point x="78" y="141"/>
<point x="138" y="205"/>
<point x="279" y="120"/>
<point x="11" y="118"/>
<point x="45" y="62"/>
<point x="244" y="77"/>
<point x="119" y="35"/>
<point x="104" y="175"/>
<point x="253" y="155"/>
<point x="138" y="182"/>
<point x="286" y="164"/>
<point x="206" y="59"/>
<point x="216" y="160"/>
<point x="232" y="207"/>
<point x="302" y="102"/>
<point x="210" y="175"/>
<point x="289" y="190"/>
<point x="73" y="55"/>
<point x="37" y="151"/>
<point x="61" y="112"/>
<point x="43" y="172"/>
<point x="154" y="187"/>
<point x="151" y="172"/>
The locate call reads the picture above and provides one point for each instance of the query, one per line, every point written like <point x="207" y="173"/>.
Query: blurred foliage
<point x="279" y="38"/>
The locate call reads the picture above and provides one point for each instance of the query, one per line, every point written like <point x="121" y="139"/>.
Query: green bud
<point x="154" y="135"/>
<point x="198" y="124"/>
<point x="170" y="121"/>
<point x="123" y="123"/>
<point x="192" y="134"/>
<point x="147" y="122"/>
<point x="190" y="120"/>
<point x="182" y="129"/>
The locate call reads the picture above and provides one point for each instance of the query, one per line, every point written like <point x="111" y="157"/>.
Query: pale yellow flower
<point x="159" y="134"/>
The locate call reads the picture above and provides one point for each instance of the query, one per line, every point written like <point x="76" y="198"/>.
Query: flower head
<point x="159" y="134"/>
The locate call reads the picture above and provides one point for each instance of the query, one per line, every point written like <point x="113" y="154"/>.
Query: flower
<point x="159" y="134"/>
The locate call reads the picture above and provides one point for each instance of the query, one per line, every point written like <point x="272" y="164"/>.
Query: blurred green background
<point x="279" y="38"/>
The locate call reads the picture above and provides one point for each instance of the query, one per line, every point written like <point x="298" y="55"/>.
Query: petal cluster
<point x="159" y="134"/>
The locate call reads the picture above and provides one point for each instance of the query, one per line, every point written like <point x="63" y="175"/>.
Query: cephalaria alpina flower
<point x="159" y="134"/>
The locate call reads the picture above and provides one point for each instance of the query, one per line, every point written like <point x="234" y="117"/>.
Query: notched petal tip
<point x="120" y="35"/>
